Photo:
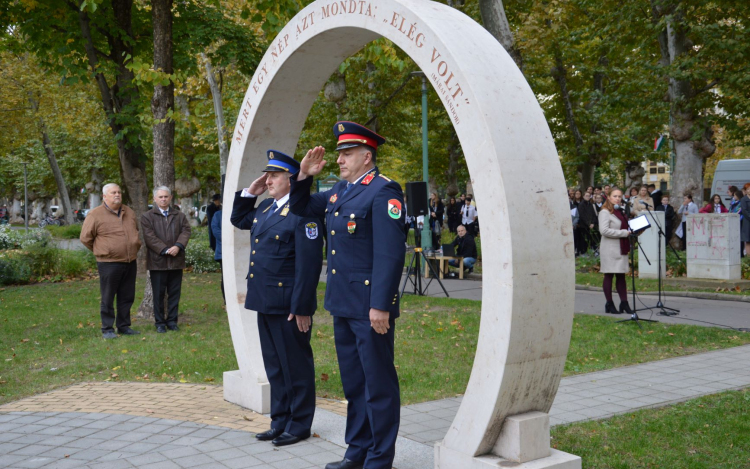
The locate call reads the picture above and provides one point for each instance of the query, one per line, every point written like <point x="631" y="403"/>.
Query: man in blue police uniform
<point x="364" y="222"/>
<point x="285" y="264"/>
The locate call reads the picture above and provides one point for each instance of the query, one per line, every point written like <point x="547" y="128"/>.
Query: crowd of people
<point x="602" y="225"/>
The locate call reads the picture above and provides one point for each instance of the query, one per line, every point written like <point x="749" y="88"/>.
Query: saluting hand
<point x="258" y="186"/>
<point x="303" y="322"/>
<point x="312" y="163"/>
<point x="379" y="320"/>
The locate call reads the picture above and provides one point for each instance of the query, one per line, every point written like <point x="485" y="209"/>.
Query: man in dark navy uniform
<point x="365" y="227"/>
<point x="285" y="264"/>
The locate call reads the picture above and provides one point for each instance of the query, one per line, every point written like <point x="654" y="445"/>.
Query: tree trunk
<point x="689" y="153"/>
<point x="218" y="113"/>
<point x="16" y="211"/>
<point x="451" y="175"/>
<point x="50" y="152"/>
<point x="496" y="22"/>
<point x="162" y="104"/>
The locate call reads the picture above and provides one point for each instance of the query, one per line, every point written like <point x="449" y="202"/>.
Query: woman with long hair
<point x="714" y="205"/>
<point x="637" y="202"/>
<point x="454" y="214"/>
<point x="613" y="251"/>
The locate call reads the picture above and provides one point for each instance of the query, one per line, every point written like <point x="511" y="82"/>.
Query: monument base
<point x="715" y="271"/>
<point x="450" y="459"/>
<point x="247" y="393"/>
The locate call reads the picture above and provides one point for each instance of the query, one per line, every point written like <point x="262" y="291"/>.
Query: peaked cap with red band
<point x="351" y="134"/>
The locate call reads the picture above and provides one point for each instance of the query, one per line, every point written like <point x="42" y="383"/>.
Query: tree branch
<point x="707" y="87"/>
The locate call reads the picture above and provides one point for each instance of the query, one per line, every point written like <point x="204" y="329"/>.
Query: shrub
<point x="7" y="240"/>
<point x="65" y="232"/>
<point x="43" y="263"/>
<point x="199" y="255"/>
<point x="13" y="270"/>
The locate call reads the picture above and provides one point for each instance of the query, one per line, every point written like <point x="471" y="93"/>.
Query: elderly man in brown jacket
<point x="110" y="231"/>
<point x="166" y="232"/>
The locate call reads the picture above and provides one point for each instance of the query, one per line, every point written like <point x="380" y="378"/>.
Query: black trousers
<point x="370" y="383"/>
<point x="288" y="360"/>
<point x="169" y="281"/>
<point x="116" y="279"/>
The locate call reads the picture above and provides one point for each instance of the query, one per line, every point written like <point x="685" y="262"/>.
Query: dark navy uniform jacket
<point x="366" y="242"/>
<point x="286" y="257"/>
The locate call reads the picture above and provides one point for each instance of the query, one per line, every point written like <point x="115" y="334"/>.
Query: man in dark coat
<point x="285" y="264"/>
<point x="211" y="210"/>
<point x="669" y="216"/>
<point x="656" y="194"/>
<point x="166" y="232"/>
<point x="366" y="250"/>
<point x="466" y="247"/>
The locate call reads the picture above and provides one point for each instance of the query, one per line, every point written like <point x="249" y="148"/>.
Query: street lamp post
<point x="426" y="234"/>
<point x="25" y="200"/>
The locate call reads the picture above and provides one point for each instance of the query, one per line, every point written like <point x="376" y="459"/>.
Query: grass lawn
<point x="50" y="337"/>
<point x="709" y="432"/>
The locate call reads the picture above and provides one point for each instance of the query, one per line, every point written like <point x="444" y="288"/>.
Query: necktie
<point x="165" y="212"/>
<point x="271" y="210"/>
<point x="348" y="186"/>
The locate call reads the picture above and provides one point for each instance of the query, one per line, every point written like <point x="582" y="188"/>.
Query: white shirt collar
<point x="281" y="202"/>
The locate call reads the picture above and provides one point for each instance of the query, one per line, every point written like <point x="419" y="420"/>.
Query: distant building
<point x="657" y="173"/>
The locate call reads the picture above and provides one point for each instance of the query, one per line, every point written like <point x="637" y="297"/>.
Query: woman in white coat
<point x="613" y="251"/>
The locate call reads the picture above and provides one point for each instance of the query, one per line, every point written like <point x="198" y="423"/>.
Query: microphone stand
<point x="634" y="316"/>
<point x="664" y="311"/>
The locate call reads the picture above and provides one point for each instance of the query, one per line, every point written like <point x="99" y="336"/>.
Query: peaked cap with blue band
<point x="278" y="161"/>
<point x="351" y="134"/>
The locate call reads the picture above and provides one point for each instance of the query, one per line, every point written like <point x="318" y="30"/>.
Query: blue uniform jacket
<point x="285" y="260"/>
<point x="366" y="242"/>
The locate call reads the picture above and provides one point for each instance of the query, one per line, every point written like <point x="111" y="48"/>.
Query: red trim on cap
<point x="348" y="138"/>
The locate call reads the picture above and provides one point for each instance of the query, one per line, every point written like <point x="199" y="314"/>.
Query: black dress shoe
<point x="161" y="329"/>
<point x="609" y="308"/>
<point x="270" y="434"/>
<point x="344" y="464"/>
<point x="173" y="328"/>
<point x="127" y="331"/>
<point x="109" y="335"/>
<point x="287" y="439"/>
<point x="625" y="308"/>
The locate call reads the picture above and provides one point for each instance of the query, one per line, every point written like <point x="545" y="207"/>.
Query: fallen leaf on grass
<point x="315" y="435"/>
<point x="183" y="381"/>
<point x="208" y="379"/>
<point x="124" y="351"/>
<point x="669" y="333"/>
<point x="25" y="340"/>
<point x="324" y="377"/>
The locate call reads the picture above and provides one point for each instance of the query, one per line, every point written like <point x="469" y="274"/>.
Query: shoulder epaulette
<point x="384" y="177"/>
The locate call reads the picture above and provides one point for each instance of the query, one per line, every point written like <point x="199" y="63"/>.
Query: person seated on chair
<point x="466" y="248"/>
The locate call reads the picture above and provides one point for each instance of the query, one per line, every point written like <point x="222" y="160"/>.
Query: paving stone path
<point x="156" y="425"/>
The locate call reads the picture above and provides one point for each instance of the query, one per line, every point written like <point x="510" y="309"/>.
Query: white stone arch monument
<point x="528" y="282"/>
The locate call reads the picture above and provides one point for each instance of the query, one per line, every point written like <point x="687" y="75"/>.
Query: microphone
<point x="644" y="203"/>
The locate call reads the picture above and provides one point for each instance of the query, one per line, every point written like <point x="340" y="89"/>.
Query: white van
<point x="730" y="173"/>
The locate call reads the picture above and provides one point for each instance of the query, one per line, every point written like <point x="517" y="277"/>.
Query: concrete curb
<point x="687" y="294"/>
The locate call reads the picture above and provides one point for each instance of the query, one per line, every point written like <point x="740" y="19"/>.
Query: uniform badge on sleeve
<point x="311" y="230"/>
<point x="333" y="198"/>
<point x="394" y="209"/>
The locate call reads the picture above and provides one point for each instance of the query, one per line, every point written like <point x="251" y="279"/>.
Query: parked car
<point x="202" y="213"/>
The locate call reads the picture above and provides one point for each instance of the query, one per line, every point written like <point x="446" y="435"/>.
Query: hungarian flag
<point x="659" y="142"/>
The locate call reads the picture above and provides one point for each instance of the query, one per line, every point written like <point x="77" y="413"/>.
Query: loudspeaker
<point x="416" y="199"/>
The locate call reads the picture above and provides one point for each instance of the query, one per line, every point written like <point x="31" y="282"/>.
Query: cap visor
<point x="344" y="146"/>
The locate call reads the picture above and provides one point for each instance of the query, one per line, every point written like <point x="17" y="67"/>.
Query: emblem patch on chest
<point x="333" y="198"/>
<point x="394" y="209"/>
<point x="351" y="226"/>
<point x="311" y="230"/>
